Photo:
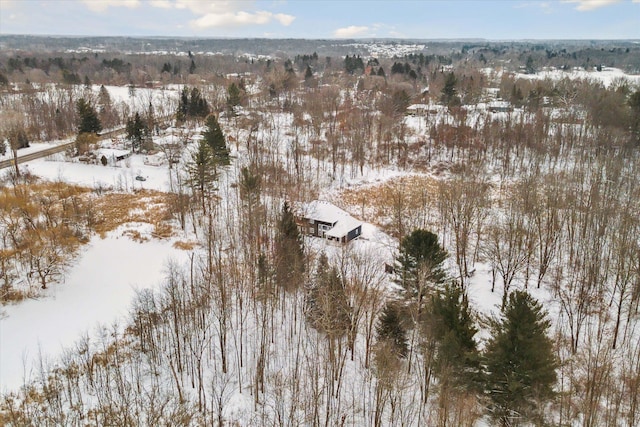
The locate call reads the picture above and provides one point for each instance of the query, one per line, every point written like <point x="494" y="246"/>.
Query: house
<point x="326" y="220"/>
<point x="500" y="106"/>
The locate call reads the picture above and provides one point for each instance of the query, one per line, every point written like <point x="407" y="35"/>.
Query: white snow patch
<point x="98" y="290"/>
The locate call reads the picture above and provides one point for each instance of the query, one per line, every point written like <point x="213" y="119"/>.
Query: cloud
<point x="224" y="13"/>
<point x="102" y="5"/>
<point x="162" y="4"/>
<point x="241" y="18"/>
<point x="351" y="31"/>
<point x="587" y="5"/>
<point x="200" y="7"/>
<point x="8" y="4"/>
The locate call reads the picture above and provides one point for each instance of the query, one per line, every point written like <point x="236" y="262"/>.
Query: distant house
<point x="326" y="220"/>
<point x="499" y="106"/>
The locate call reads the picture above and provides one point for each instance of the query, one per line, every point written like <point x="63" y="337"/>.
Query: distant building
<point x="499" y="106"/>
<point x="326" y="220"/>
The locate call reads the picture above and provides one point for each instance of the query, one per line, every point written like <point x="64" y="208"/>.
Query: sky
<point x="310" y="19"/>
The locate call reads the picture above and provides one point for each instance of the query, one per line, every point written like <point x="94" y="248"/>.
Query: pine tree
<point x="233" y="96"/>
<point x="308" y="74"/>
<point x="89" y="122"/>
<point x="202" y="172"/>
<point x="137" y="131"/>
<point x="419" y="264"/>
<point x="327" y="307"/>
<point x="390" y="330"/>
<point x="451" y="325"/>
<point x="520" y="362"/>
<point x="289" y="252"/>
<point x="449" y="92"/>
<point x="191" y="105"/>
<point x="215" y="139"/>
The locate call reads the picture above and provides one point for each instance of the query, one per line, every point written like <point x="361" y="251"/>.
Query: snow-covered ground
<point x="98" y="290"/>
<point x="607" y="76"/>
<point x="120" y="177"/>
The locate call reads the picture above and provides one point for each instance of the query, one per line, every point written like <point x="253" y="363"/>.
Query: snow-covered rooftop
<point x="323" y="211"/>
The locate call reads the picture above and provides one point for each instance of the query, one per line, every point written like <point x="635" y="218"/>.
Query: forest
<point x="497" y="280"/>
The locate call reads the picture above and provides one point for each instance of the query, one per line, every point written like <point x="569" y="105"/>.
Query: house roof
<point x="323" y="211"/>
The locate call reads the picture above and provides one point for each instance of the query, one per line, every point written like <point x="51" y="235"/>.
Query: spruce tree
<point x="390" y="330"/>
<point x="449" y="92"/>
<point x="520" y="362"/>
<point x="452" y="327"/>
<point x="136" y="131"/>
<point x="191" y="105"/>
<point x="289" y="251"/>
<point x="233" y="97"/>
<point x="327" y="307"/>
<point x="88" y="118"/>
<point x="308" y="73"/>
<point x="214" y="137"/>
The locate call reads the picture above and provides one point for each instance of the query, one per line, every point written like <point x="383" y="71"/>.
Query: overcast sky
<point x="506" y="19"/>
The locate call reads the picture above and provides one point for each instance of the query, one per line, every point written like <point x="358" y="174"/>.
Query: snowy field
<point x="120" y="177"/>
<point x="97" y="290"/>
<point x="607" y="76"/>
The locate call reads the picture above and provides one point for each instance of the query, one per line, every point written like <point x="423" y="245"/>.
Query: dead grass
<point x="48" y="217"/>
<point x="146" y="206"/>
<point x="379" y="203"/>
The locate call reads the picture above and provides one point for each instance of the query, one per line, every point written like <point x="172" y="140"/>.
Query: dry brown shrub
<point x="162" y="230"/>
<point x="135" y="236"/>
<point x="185" y="246"/>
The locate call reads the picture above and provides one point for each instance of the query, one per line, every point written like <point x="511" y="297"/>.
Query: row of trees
<point x="516" y="369"/>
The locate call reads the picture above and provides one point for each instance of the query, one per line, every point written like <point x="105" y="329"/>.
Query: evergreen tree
<point x="233" y="96"/>
<point x="529" y="67"/>
<point x="202" y="172"/>
<point x="419" y="264"/>
<point x="397" y="68"/>
<point x="136" y="131"/>
<point x="192" y="67"/>
<point x="327" y="307"/>
<point x="401" y="101"/>
<point x="103" y="97"/>
<point x="215" y="139"/>
<point x="449" y="92"/>
<point x="88" y="118"/>
<point x="166" y="68"/>
<point x="191" y="105"/>
<point x="520" y="362"/>
<point x="308" y="73"/>
<point x="289" y="252"/>
<point x="353" y="64"/>
<point x="390" y="330"/>
<point x="198" y="106"/>
<point x="381" y="72"/>
<point x="451" y="325"/>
